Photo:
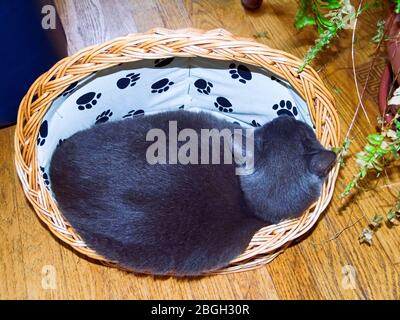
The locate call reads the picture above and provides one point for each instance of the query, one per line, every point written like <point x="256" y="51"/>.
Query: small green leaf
<point x="347" y="143"/>
<point x="332" y="5"/>
<point x="380" y="31"/>
<point x="378" y="166"/>
<point x="381" y="152"/>
<point x="375" y="139"/>
<point x="363" y="173"/>
<point x="369" y="149"/>
<point x="304" y="15"/>
<point x="397" y="6"/>
<point x="362" y="156"/>
<point x="325" y="23"/>
<point x="391" y="216"/>
<point x="376" y="221"/>
<point x="348" y="188"/>
<point x="304" y="22"/>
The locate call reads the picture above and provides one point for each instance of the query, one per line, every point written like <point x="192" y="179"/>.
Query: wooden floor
<point x="328" y="264"/>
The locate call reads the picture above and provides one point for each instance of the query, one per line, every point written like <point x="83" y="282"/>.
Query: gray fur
<point x="181" y="219"/>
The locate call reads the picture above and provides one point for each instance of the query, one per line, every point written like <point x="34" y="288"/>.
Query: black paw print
<point x="60" y="142"/>
<point x="43" y="132"/>
<point x="240" y="72"/>
<point x="163" y="62"/>
<point x="134" y="113"/>
<point x="70" y="89"/>
<point x="203" y="86"/>
<point x="276" y="79"/>
<point x="129" y="80"/>
<point x="223" y="104"/>
<point x="104" y="116"/>
<point x="88" y="100"/>
<point x="161" y="85"/>
<point x="285" y="108"/>
<point x="254" y="123"/>
<point x="45" y="177"/>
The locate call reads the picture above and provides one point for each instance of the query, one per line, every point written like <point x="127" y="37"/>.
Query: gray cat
<point x="182" y="219"/>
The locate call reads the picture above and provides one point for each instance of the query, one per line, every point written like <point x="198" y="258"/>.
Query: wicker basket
<point x="162" y="43"/>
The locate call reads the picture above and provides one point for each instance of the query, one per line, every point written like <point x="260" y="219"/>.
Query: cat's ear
<point x="321" y="162"/>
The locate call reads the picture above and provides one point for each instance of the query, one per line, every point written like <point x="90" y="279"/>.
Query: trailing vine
<point x="329" y="17"/>
<point x="380" y="150"/>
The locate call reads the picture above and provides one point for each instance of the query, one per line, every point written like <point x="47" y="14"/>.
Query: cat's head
<point x="289" y="169"/>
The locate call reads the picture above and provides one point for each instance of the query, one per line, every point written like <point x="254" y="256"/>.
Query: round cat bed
<point x="239" y="79"/>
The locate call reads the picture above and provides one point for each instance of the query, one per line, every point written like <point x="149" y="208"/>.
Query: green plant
<point x="342" y="152"/>
<point x="380" y="150"/>
<point x="397" y="6"/>
<point x="380" y="32"/>
<point x="329" y="16"/>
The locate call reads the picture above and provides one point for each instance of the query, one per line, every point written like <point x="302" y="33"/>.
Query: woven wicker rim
<point x="162" y="43"/>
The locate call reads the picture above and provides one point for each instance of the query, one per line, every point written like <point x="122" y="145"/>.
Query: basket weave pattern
<point x="163" y="43"/>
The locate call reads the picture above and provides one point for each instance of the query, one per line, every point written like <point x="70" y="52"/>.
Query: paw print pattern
<point x="161" y="85"/>
<point x="203" y="86"/>
<point x="70" y="89"/>
<point x="88" y="100"/>
<point x="254" y="123"/>
<point x="223" y="104"/>
<point x="240" y="72"/>
<point x="104" y="116"/>
<point x="159" y="63"/>
<point x="285" y="108"/>
<point x="45" y="177"/>
<point x="273" y="78"/>
<point x="60" y="142"/>
<point x="129" y="80"/>
<point x="43" y="132"/>
<point x="133" y="113"/>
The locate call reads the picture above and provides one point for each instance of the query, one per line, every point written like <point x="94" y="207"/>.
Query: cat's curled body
<point x="175" y="218"/>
